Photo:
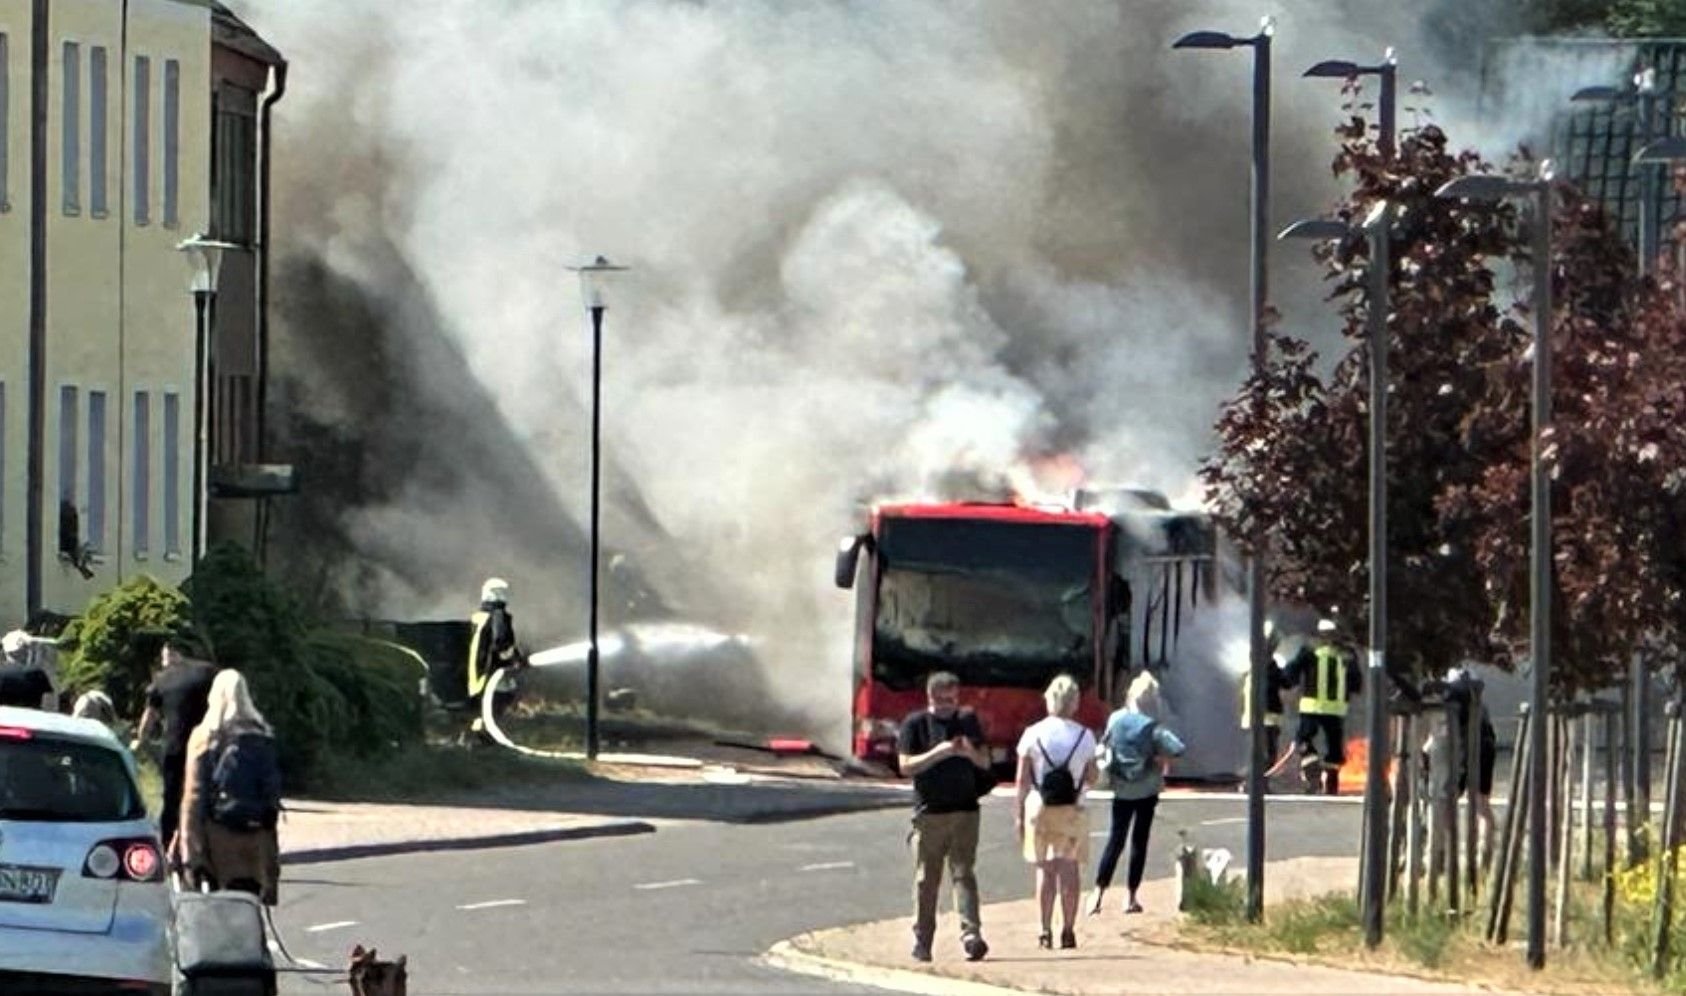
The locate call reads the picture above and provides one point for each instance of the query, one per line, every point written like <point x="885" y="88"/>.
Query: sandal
<point x="1045" y="940"/>
<point x="1134" y="907"/>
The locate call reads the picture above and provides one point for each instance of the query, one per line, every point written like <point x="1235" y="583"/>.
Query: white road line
<point x="674" y="884"/>
<point x="827" y="866"/>
<point x="1225" y="821"/>
<point x="492" y="904"/>
<point x="336" y="925"/>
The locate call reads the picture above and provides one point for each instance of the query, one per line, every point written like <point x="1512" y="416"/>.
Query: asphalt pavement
<point x="689" y="908"/>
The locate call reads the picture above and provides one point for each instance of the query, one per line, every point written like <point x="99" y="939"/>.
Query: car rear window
<point x="65" y="781"/>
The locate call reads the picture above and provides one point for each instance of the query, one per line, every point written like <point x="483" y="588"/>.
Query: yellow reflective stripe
<point x="475" y="678"/>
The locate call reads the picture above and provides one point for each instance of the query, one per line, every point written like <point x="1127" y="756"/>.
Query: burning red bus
<point x="1008" y="595"/>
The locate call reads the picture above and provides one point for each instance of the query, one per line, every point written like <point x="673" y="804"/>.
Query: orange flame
<point x="1356" y="769"/>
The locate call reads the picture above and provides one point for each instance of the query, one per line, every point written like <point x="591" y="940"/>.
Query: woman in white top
<point x="1056" y="767"/>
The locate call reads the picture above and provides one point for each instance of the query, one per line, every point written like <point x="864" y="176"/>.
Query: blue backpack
<point x="1132" y="760"/>
<point x="244" y="784"/>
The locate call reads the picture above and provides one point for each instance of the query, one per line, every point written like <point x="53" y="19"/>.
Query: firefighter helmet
<point x="494" y="590"/>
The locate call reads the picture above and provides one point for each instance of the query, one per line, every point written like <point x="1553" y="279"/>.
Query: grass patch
<point x="434" y="771"/>
<point x="1327" y="929"/>
<point x="1215" y="905"/>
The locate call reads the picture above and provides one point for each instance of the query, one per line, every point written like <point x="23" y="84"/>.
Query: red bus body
<point x="1005" y="709"/>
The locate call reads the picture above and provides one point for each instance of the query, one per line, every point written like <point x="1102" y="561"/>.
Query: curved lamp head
<point x="1317" y="229"/>
<point x="1208" y="39"/>
<point x="1339" y="69"/>
<point x="594" y="280"/>
<point x="204" y="255"/>
<point x="1481" y="187"/>
<point x="1663" y="150"/>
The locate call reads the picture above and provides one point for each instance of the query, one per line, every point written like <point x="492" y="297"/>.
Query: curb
<point x="786" y="957"/>
<point x="318" y="855"/>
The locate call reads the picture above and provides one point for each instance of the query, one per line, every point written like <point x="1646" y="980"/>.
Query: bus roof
<point x="996" y="512"/>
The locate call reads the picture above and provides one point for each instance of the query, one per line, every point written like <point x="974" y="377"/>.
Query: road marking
<point x="827" y="866"/>
<point x="1225" y="821"/>
<point x="493" y="904"/>
<point x="674" y="884"/>
<point x="336" y="925"/>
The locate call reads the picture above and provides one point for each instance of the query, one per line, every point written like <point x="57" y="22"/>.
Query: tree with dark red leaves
<point x="1292" y="454"/>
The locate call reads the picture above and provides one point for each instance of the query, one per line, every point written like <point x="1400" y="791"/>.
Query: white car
<point x="84" y="903"/>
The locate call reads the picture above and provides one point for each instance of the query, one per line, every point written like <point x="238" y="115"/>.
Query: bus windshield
<point x="1000" y="604"/>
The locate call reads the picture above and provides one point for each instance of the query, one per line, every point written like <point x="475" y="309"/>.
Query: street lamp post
<point x="593" y="278"/>
<point x="1258" y="649"/>
<point x="1376" y="229"/>
<point x="1495" y="188"/>
<point x="205" y="256"/>
<point x="1388" y="71"/>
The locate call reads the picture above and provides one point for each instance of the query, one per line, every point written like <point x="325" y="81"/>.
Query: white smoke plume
<point x="872" y="245"/>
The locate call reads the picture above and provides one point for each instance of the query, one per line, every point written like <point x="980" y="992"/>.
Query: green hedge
<point x="327" y="694"/>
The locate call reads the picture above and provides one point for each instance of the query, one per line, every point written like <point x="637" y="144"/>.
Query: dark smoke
<point x="875" y="246"/>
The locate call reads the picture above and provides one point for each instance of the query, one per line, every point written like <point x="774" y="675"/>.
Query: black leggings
<point x="1132" y="818"/>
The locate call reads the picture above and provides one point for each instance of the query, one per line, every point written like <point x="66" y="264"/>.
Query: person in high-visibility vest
<point x="1327" y="676"/>
<point x="492" y="647"/>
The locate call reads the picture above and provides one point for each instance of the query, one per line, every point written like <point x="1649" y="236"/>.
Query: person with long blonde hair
<point x="232" y="795"/>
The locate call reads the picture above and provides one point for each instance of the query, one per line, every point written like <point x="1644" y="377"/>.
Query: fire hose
<point x="489" y="721"/>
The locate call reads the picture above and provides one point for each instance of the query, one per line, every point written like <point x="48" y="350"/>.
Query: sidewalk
<point x="1114" y="954"/>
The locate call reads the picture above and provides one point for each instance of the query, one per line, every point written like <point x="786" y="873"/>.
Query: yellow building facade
<point x="114" y="149"/>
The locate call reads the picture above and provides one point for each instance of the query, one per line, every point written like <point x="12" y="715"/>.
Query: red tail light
<point x="16" y="733"/>
<point x="130" y="859"/>
<point x="141" y="861"/>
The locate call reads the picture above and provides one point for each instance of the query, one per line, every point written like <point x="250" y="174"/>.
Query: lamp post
<point x="1388" y="71"/>
<point x="1376" y="229"/>
<point x="593" y="278"/>
<point x="205" y="256"/>
<point x="1643" y="97"/>
<point x="1258" y="649"/>
<point x="1491" y="189"/>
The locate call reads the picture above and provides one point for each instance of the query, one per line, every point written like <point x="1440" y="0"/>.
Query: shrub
<point x="113" y="645"/>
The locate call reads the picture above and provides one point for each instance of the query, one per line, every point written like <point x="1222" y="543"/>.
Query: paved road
<point x="686" y="909"/>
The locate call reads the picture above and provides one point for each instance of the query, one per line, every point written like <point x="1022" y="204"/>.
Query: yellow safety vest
<point x="476" y="680"/>
<point x="1325" y="694"/>
<point x="1271" y="718"/>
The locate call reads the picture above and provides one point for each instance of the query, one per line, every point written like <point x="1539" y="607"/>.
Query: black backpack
<point x="1059" y="786"/>
<point x="243" y="786"/>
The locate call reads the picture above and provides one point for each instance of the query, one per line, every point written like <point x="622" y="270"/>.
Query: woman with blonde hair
<point x="231" y="798"/>
<point x="1056" y="766"/>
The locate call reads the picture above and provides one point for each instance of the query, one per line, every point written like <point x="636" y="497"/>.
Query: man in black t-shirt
<point x="176" y="697"/>
<point x="26" y="688"/>
<point x="941" y="747"/>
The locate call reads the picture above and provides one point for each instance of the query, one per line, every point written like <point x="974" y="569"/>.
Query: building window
<point x="172" y="474"/>
<point x="70" y="534"/>
<point x="172" y="137"/>
<point x="96" y="470"/>
<point x="5" y="122"/>
<point x="234" y="156"/>
<point x="70" y="163"/>
<point x="142" y="430"/>
<point x="143" y="139"/>
<point x="96" y="131"/>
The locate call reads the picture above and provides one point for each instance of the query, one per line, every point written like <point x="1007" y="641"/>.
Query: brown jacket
<point x="201" y="845"/>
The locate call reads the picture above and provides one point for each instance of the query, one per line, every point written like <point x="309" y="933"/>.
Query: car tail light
<point x="141" y="861"/>
<point x="15" y="733"/>
<point x="132" y="859"/>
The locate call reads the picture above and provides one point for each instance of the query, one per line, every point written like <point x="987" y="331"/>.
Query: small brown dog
<point x="370" y="976"/>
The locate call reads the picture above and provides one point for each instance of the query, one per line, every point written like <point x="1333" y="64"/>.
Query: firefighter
<point x="1273" y="698"/>
<point x="492" y="648"/>
<point x="1327" y="675"/>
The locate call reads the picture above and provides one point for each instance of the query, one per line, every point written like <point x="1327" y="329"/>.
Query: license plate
<point x="19" y="884"/>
